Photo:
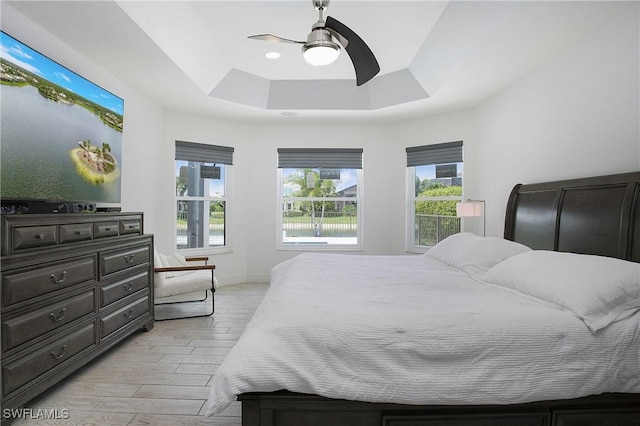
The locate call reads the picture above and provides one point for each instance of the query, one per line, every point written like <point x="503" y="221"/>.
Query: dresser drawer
<point x="76" y="232"/>
<point x="105" y="229"/>
<point x="40" y="361"/>
<point x="33" y="324"/>
<point x="34" y="236"/>
<point x="123" y="316"/>
<point x="20" y="286"/>
<point x="132" y="226"/>
<point x="54" y="303"/>
<point x="117" y="260"/>
<point x="109" y="293"/>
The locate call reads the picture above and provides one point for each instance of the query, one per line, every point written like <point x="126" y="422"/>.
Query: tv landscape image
<point x="60" y="134"/>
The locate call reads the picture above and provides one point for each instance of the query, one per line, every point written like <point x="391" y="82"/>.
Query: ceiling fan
<point x="321" y="49"/>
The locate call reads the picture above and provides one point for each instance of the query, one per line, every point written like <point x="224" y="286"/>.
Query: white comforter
<point x="412" y="330"/>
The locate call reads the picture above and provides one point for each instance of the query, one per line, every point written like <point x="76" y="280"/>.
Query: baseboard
<point x="239" y="279"/>
<point x="258" y="278"/>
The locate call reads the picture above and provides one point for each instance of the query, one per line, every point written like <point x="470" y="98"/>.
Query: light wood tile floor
<point x="159" y="377"/>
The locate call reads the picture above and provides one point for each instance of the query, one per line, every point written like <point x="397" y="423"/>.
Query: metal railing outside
<point x="332" y="224"/>
<point x="216" y="230"/>
<point x="431" y="229"/>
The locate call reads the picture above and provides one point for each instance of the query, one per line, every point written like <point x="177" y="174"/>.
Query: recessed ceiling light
<point x="272" y="55"/>
<point x="288" y="113"/>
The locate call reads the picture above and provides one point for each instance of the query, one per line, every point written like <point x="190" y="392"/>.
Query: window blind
<point x="441" y="153"/>
<point x="191" y="151"/>
<point x="329" y="158"/>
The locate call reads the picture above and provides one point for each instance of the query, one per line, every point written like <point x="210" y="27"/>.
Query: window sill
<point x="318" y="247"/>
<point x="419" y="250"/>
<point x="205" y="251"/>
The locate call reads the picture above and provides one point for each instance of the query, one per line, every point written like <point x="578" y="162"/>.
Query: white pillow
<point x="473" y="254"/>
<point x="596" y="289"/>
<point x="162" y="260"/>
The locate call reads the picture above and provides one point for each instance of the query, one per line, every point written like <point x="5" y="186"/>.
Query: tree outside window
<point x="319" y="207"/>
<point x="434" y="215"/>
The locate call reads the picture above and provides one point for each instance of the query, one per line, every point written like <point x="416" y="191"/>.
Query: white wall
<point x="230" y="267"/>
<point x="576" y="116"/>
<point x="253" y="211"/>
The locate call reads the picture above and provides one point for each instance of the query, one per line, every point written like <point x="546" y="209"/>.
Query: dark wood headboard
<point x="595" y="215"/>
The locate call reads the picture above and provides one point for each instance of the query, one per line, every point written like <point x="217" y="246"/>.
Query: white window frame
<point x="226" y="248"/>
<point x="321" y="247"/>
<point x="412" y="199"/>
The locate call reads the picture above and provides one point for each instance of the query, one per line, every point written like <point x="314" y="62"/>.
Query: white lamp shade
<point x="321" y="55"/>
<point x="469" y="209"/>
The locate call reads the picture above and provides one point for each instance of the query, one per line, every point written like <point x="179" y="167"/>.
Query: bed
<point x="540" y="327"/>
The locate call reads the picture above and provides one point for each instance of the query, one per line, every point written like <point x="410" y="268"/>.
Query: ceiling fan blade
<point x="363" y="59"/>
<point x="271" y="37"/>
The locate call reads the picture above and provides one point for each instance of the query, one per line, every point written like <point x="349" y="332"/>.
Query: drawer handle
<point x="128" y="286"/>
<point x="107" y="228"/>
<point x="39" y="236"/>
<point x="57" y="280"/>
<point x="60" y="354"/>
<point x="128" y="314"/>
<point x="59" y="317"/>
<point x="128" y="258"/>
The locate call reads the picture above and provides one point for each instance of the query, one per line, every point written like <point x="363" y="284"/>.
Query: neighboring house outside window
<point x="320" y="193"/>
<point x="434" y="186"/>
<point x="202" y="173"/>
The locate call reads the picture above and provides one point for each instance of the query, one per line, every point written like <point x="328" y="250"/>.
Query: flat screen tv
<point x="60" y="134"/>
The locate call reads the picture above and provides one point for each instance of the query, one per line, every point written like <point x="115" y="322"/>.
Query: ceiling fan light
<point x="320" y="49"/>
<point x="320" y="54"/>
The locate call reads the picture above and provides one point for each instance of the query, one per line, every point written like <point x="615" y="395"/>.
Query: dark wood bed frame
<point x="598" y="215"/>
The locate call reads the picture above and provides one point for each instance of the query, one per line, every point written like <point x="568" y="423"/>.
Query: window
<point x="202" y="172"/>
<point x="320" y="204"/>
<point x="434" y="185"/>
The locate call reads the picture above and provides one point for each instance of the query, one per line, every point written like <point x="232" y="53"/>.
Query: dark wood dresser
<point x="73" y="285"/>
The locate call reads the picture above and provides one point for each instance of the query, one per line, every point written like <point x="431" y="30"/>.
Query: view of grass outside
<point x="319" y="210"/>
